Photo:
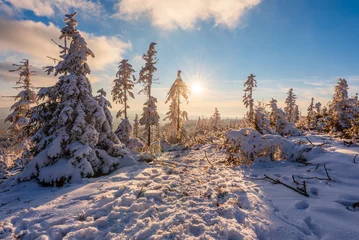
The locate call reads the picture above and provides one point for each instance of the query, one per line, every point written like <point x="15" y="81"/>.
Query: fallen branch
<point x="302" y="191"/>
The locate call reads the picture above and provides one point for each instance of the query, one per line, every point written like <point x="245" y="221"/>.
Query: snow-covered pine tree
<point x="289" y="109"/>
<point x="311" y="121"/>
<point x="105" y="130"/>
<point x="216" y="120"/>
<point x="105" y="104"/>
<point x="279" y="123"/>
<point x="248" y="97"/>
<point x="74" y="138"/>
<point x="124" y="130"/>
<point x="136" y="126"/>
<point x="25" y="99"/>
<point x="150" y="116"/>
<point x="175" y="115"/>
<point x="338" y="107"/>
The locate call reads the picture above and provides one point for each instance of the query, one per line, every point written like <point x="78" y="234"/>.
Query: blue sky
<point x="303" y="44"/>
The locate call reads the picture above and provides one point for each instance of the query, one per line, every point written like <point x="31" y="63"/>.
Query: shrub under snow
<point x="250" y="144"/>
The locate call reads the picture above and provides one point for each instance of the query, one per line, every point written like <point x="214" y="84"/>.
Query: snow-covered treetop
<point x="75" y="57"/>
<point x="178" y="88"/>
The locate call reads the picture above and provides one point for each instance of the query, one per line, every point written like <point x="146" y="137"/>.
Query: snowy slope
<point x="181" y="196"/>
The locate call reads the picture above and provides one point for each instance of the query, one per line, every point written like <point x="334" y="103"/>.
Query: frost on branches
<point x="74" y="138"/>
<point x="150" y="116"/>
<point x="24" y="99"/>
<point x="175" y="115"/>
<point x="279" y="122"/>
<point x="248" y="97"/>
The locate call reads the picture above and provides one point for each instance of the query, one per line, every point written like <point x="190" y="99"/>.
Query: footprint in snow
<point x="301" y="205"/>
<point x="314" y="191"/>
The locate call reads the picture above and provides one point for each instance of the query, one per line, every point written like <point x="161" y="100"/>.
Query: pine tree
<point x="150" y="116"/>
<point x="311" y="115"/>
<point x="279" y="123"/>
<point x="175" y="115"/>
<point x="123" y="85"/>
<point x="290" y="105"/>
<point x="74" y="138"/>
<point x="105" y="104"/>
<point x="215" y="120"/>
<point x="136" y="125"/>
<point x="248" y="96"/>
<point x="261" y="120"/>
<point x="296" y="114"/>
<point x="19" y="118"/>
<point x="123" y="132"/>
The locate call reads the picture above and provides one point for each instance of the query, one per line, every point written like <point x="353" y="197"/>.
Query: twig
<point x="326" y="171"/>
<point x="302" y="191"/>
<point x="205" y="154"/>
<point x="317" y="166"/>
<point x="295" y="181"/>
<point x="354" y="159"/>
<point x="140" y="193"/>
<point x="318" y="178"/>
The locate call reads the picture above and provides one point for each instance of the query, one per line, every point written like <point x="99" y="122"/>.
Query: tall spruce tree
<point x="289" y="109"/>
<point x="175" y="115"/>
<point x="74" y="138"/>
<point x="248" y="101"/>
<point x="150" y="115"/>
<point x="123" y="85"/>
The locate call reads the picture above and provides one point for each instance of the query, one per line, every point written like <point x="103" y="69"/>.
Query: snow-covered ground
<point x="182" y="196"/>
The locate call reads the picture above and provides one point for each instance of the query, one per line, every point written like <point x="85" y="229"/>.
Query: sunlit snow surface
<point x="180" y="196"/>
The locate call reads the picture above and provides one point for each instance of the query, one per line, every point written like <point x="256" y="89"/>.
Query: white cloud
<point x="170" y="14"/>
<point x="33" y="39"/>
<point x="51" y="7"/>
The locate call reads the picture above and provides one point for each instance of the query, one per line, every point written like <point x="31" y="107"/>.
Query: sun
<point x="196" y="88"/>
